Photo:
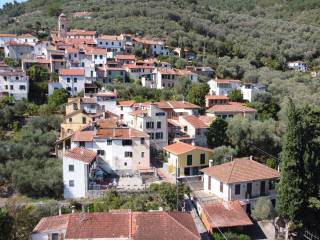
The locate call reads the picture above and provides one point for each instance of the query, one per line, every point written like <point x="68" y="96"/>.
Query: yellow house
<point x="75" y="121"/>
<point x="187" y="159"/>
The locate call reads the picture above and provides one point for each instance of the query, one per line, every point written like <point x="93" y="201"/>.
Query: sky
<point x="5" y="1"/>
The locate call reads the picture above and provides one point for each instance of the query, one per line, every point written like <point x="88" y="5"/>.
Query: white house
<point x="111" y="42"/>
<point x="6" y="37"/>
<point x="107" y="101"/>
<point x="73" y="80"/>
<point x="195" y="129"/>
<point x="124" y="108"/>
<point x="298" y="66"/>
<point x="76" y="168"/>
<point x="13" y="82"/>
<point x="120" y="150"/>
<point x="241" y="179"/>
<point x="223" y="86"/>
<point x="164" y="77"/>
<point x="17" y="50"/>
<point x="151" y="120"/>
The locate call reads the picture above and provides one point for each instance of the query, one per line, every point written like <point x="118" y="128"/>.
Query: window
<point x="69" y="89"/>
<point x="237" y="189"/>
<point x="189" y="160"/>
<point x="17" y="78"/>
<point x="100" y="152"/>
<point x="109" y="142"/>
<point x="160" y="114"/>
<point x="271" y="185"/>
<point x="121" y="116"/>
<point x="22" y="87"/>
<point x="125" y="163"/>
<point x="126" y="142"/>
<point x="128" y="154"/>
<point x="84" y="120"/>
<point x="101" y="56"/>
<point x="221" y="187"/>
<point x="141" y="140"/>
<point x="6" y="86"/>
<point x="75" y="80"/>
<point x="142" y="154"/>
<point x="71" y="168"/>
<point x="185" y="128"/>
<point x="158" y="124"/>
<point x="5" y="78"/>
<point x="61" y="63"/>
<point x="159" y="135"/>
<point x="150" y="125"/>
<point x="95" y="56"/>
<point x="100" y="43"/>
<point x="11" y="87"/>
<point x="75" y="106"/>
<point x="121" y="108"/>
<point x="55" y="236"/>
<point x="82" y="144"/>
<point x="202" y="158"/>
<point x="70" y="120"/>
<point x="198" y="131"/>
<point x="71" y="183"/>
<point x="151" y="135"/>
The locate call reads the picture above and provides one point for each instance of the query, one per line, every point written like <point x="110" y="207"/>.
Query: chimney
<point x="251" y="158"/>
<point x="210" y="163"/>
<point x="59" y="210"/>
<point x="82" y="208"/>
<point x="72" y="209"/>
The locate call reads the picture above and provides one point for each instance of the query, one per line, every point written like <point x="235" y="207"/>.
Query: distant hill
<point x="250" y="40"/>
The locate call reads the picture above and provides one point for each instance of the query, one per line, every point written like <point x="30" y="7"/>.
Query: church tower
<point x="62" y="26"/>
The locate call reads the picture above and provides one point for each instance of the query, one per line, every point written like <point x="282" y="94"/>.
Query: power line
<point x="261" y="150"/>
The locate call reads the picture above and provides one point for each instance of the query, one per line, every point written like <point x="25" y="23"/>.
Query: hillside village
<point x="111" y="143"/>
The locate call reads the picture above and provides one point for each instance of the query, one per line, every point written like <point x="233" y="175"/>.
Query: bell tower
<point x="62" y="26"/>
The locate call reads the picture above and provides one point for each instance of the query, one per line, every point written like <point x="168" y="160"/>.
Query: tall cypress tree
<point x="291" y="186"/>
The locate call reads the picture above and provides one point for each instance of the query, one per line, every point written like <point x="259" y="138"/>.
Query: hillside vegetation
<point x="249" y="40"/>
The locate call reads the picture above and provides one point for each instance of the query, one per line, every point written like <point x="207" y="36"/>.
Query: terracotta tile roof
<point x="194" y="121"/>
<point x="81" y="154"/>
<point x="98" y="225"/>
<point x="206" y="120"/>
<point x="80" y="32"/>
<point x="217" y="97"/>
<point x="52" y="223"/>
<point x="226" y="214"/>
<point x="123" y="224"/>
<point x="71" y="50"/>
<point x="181" y="147"/>
<point x="71" y="72"/>
<point x="110" y="38"/>
<point x="96" y="51"/>
<point x="231" y="107"/>
<point x="27" y="35"/>
<point x="125" y="57"/>
<point x="147" y="41"/>
<point x="7" y="35"/>
<point x="83" y="136"/>
<point x="174" y="122"/>
<point x="126" y="103"/>
<point x="15" y="43"/>
<point x="164" y="226"/>
<point x="114" y="69"/>
<point x="166" y="71"/>
<point x="80" y="41"/>
<point x="227" y="81"/>
<point x="133" y="66"/>
<point x="241" y="170"/>
<point x="176" y="105"/>
<point x="106" y="94"/>
<point x="184" y="72"/>
<point x="107" y="123"/>
<point x="120" y="133"/>
<point x="138" y="112"/>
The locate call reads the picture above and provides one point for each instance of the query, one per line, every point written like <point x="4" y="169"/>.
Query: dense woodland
<point x="250" y="40"/>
